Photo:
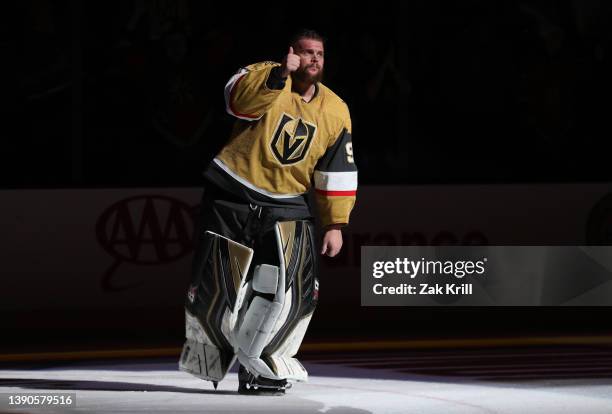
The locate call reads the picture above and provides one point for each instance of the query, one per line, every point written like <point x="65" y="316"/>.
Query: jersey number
<point x="349" y="152"/>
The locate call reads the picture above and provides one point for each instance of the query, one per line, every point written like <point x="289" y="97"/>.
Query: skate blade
<point x="262" y="390"/>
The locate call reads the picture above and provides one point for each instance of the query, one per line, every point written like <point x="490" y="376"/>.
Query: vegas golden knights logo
<point x="292" y="139"/>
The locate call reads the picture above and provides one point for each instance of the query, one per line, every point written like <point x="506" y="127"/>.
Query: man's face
<point x="312" y="58"/>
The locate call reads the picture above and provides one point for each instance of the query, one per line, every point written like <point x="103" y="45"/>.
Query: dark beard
<point x="302" y="76"/>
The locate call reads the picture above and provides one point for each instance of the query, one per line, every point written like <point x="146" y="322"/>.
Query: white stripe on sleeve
<point x="335" y="181"/>
<point x="228" y="93"/>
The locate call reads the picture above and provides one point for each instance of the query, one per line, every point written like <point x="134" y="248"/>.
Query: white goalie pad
<point x="265" y="279"/>
<point x="253" y="331"/>
<point x="202" y="360"/>
<point x="268" y="308"/>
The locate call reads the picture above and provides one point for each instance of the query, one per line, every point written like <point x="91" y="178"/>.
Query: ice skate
<point x="249" y="385"/>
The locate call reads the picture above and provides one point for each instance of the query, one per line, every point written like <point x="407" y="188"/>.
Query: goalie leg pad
<point x="265" y="280"/>
<point x="211" y="309"/>
<point x="201" y="360"/>
<point x="254" y="333"/>
<point x="272" y="328"/>
<point x="255" y="328"/>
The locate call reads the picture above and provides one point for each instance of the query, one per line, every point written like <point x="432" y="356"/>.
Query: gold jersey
<point x="281" y="146"/>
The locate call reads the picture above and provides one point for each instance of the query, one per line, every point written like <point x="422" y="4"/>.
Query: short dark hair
<point x="306" y="34"/>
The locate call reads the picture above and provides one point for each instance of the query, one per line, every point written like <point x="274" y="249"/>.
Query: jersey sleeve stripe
<point x="337" y="193"/>
<point x="335" y="181"/>
<point x="230" y="92"/>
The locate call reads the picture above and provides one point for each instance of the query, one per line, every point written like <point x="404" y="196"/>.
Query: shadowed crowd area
<point x="130" y="93"/>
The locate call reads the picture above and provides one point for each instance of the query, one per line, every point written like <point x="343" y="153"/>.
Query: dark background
<point x="130" y="94"/>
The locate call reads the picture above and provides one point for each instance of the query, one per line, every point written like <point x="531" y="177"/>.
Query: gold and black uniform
<point x="281" y="146"/>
